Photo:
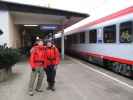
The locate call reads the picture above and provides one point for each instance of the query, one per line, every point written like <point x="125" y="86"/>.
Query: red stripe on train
<point x="120" y="60"/>
<point x="107" y="18"/>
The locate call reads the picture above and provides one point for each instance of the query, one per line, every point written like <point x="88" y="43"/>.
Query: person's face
<point x="49" y="44"/>
<point x="40" y="42"/>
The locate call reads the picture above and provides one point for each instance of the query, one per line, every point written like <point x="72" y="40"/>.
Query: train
<point x="107" y="41"/>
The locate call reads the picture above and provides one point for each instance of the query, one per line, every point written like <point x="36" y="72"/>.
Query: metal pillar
<point x="62" y="45"/>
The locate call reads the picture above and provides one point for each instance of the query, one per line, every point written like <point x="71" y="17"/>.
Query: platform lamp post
<point x="62" y="45"/>
<point x="62" y="36"/>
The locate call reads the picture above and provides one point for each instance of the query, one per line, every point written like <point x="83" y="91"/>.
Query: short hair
<point x="39" y="40"/>
<point x="50" y="41"/>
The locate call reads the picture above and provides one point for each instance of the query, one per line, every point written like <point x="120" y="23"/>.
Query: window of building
<point x="82" y="37"/>
<point x="93" y="36"/>
<point x="109" y="34"/>
<point x="126" y="31"/>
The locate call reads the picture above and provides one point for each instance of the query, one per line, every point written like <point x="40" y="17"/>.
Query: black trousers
<point x="50" y="73"/>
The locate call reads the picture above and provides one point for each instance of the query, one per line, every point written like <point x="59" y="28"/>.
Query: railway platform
<point x="76" y="80"/>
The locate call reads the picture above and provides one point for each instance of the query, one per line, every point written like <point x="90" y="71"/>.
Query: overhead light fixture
<point x="31" y="25"/>
<point x="49" y="27"/>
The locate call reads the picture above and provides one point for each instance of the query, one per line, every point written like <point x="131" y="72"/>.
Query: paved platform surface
<point x="73" y="82"/>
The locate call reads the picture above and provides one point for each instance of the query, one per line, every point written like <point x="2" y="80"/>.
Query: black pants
<point x="51" y="73"/>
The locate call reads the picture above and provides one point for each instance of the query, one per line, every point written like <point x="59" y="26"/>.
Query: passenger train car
<point x="107" y="41"/>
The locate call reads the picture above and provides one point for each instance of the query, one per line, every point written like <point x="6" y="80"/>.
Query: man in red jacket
<point x="53" y="58"/>
<point x="37" y="62"/>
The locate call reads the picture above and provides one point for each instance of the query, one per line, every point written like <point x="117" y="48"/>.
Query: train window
<point x="75" y="38"/>
<point x="93" y="36"/>
<point x="82" y="37"/>
<point x="69" y="38"/>
<point x="126" y="30"/>
<point x="109" y="35"/>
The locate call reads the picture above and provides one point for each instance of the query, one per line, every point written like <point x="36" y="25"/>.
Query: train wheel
<point x="119" y="68"/>
<point x="116" y="67"/>
<point x="123" y="69"/>
<point x="128" y="70"/>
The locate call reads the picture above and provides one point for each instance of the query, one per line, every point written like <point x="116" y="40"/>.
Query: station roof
<point x="30" y="14"/>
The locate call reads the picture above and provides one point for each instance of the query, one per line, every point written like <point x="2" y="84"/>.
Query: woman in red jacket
<point x="37" y="62"/>
<point x="53" y="59"/>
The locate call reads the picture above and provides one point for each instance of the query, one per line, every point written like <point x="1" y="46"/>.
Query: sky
<point x="95" y="8"/>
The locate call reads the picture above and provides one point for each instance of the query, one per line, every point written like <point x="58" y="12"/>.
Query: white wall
<point x="4" y="38"/>
<point x="10" y="32"/>
<point x="35" y="18"/>
<point x="14" y="33"/>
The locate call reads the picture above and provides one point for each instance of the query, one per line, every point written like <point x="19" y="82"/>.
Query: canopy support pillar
<point x="62" y="45"/>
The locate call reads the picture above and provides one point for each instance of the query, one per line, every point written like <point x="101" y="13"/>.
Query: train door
<point x="99" y="35"/>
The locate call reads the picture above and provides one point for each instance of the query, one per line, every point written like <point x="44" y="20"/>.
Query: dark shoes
<point x="39" y="90"/>
<point x="51" y="87"/>
<point x="48" y="88"/>
<point x="31" y="93"/>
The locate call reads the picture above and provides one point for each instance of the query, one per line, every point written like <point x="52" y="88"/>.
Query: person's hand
<point x="33" y="69"/>
<point x="44" y="69"/>
<point x="55" y="67"/>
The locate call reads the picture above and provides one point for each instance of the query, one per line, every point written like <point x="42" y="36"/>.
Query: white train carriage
<point x="107" y="41"/>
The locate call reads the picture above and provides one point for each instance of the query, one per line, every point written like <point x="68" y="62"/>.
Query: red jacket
<point x="52" y="55"/>
<point x="38" y="56"/>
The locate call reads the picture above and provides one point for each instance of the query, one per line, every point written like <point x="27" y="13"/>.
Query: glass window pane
<point x="109" y="34"/>
<point x="82" y="37"/>
<point x="126" y="32"/>
<point x="93" y="36"/>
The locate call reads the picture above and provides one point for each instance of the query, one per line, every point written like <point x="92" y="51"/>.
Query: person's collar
<point x="40" y="46"/>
